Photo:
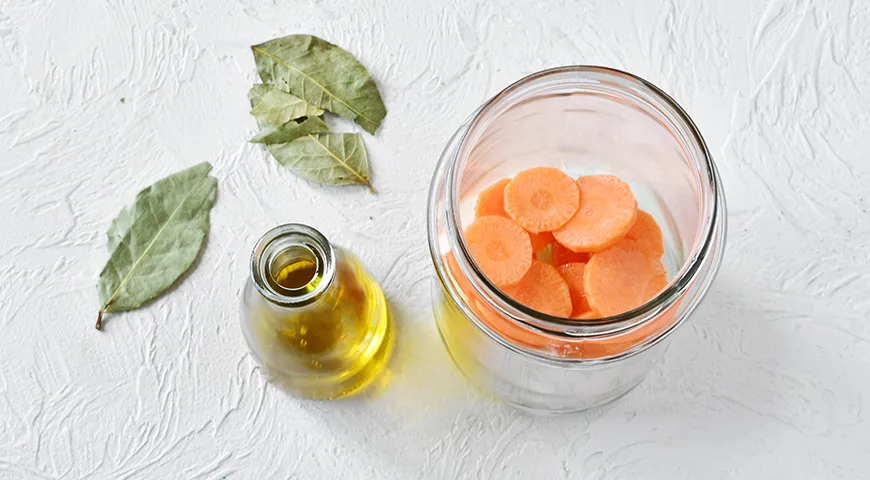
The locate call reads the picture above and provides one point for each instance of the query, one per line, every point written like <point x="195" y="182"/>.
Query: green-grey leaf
<point x="279" y="107"/>
<point x="156" y="239"/>
<point x="323" y="75"/>
<point x="255" y="95"/>
<point x="290" y="131"/>
<point x="327" y="158"/>
<point x="119" y="227"/>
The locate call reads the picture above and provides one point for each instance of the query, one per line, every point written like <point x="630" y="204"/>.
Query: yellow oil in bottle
<point x="299" y="273"/>
<point x="331" y="346"/>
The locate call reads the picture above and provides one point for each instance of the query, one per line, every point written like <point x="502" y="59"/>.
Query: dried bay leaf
<point x="289" y="131"/>
<point x="278" y="107"/>
<point x="331" y="159"/>
<point x="120" y="225"/>
<point x="327" y="158"/>
<point x="323" y="75"/>
<point x="255" y="95"/>
<point x="156" y="239"/>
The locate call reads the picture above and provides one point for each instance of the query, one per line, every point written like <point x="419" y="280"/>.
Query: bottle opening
<point x="294" y="269"/>
<point x="292" y="265"/>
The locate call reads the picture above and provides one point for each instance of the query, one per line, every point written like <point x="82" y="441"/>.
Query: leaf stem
<point x="104" y="309"/>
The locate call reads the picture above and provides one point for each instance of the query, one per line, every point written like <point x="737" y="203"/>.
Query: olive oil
<point x="314" y="316"/>
<point x="300" y="273"/>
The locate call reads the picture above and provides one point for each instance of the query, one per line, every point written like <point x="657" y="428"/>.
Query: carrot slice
<point x="619" y="343"/>
<point x="462" y="282"/>
<point x="607" y="211"/>
<point x="618" y="280"/>
<point x="562" y="255"/>
<point x="544" y="290"/>
<point x="540" y="240"/>
<point x="657" y="284"/>
<point x="541" y="199"/>
<point x="573" y="275"/>
<point x="647" y="234"/>
<point x="501" y="249"/>
<point x="490" y="201"/>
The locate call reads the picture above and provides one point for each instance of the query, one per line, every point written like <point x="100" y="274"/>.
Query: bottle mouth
<point x="292" y="265"/>
<point x="613" y="82"/>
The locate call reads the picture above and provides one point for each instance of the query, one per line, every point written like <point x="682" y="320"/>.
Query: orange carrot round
<point x="573" y="275"/>
<point x="607" y="211"/>
<point x="460" y="279"/>
<point x="618" y="280"/>
<point x="490" y="201"/>
<point x="501" y="249"/>
<point x="562" y="255"/>
<point x="647" y="234"/>
<point x="541" y="199"/>
<point x="544" y="290"/>
<point x="540" y="240"/>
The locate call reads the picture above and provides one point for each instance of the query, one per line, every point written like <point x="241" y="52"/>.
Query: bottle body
<point x="329" y="346"/>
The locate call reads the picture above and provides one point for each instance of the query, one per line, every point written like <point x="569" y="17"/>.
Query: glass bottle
<point x="313" y="316"/>
<point x="583" y="120"/>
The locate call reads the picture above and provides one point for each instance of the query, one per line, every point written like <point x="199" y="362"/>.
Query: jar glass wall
<point x="582" y="120"/>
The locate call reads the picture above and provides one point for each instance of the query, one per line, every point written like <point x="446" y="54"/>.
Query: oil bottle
<point x="313" y="316"/>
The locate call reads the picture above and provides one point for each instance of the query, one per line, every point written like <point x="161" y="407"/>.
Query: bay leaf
<point x="327" y="158"/>
<point x="323" y="75"/>
<point x="156" y="239"/>
<point x="255" y="95"/>
<point x="120" y="225"/>
<point x="278" y="107"/>
<point x="290" y="131"/>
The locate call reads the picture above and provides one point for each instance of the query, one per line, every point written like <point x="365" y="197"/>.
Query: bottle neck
<point x="293" y="265"/>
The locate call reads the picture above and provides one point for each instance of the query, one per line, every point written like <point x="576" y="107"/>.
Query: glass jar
<point x="582" y="120"/>
<point x="312" y="315"/>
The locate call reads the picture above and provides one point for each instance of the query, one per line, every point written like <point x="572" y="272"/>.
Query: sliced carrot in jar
<point x="490" y="201"/>
<point x="647" y="234"/>
<point x="541" y="199"/>
<point x="562" y="255"/>
<point x="453" y="267"/>
<point x="544" y="290"/>
<point x="501" y="249"/>
<point x="618" y="280"/>
<point x="573" y="275"/>
<point x="623" y="342"/>
<point x="607" y="211"/>
<point x="540" y="240"/>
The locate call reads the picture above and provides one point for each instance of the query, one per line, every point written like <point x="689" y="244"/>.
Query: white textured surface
<point x="768" y="380"/>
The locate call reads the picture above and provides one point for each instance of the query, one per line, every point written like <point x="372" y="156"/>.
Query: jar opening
<point x="292" y="265"/>
<point x="611" y="85"/>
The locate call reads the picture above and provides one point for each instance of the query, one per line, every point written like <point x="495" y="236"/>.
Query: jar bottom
<point x="556" y="389"/>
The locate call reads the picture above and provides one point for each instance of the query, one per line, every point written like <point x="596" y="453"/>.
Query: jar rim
<point x="688" y="272"/>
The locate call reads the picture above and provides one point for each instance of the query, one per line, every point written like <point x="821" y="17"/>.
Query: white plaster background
<point x="767" y="380"/>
